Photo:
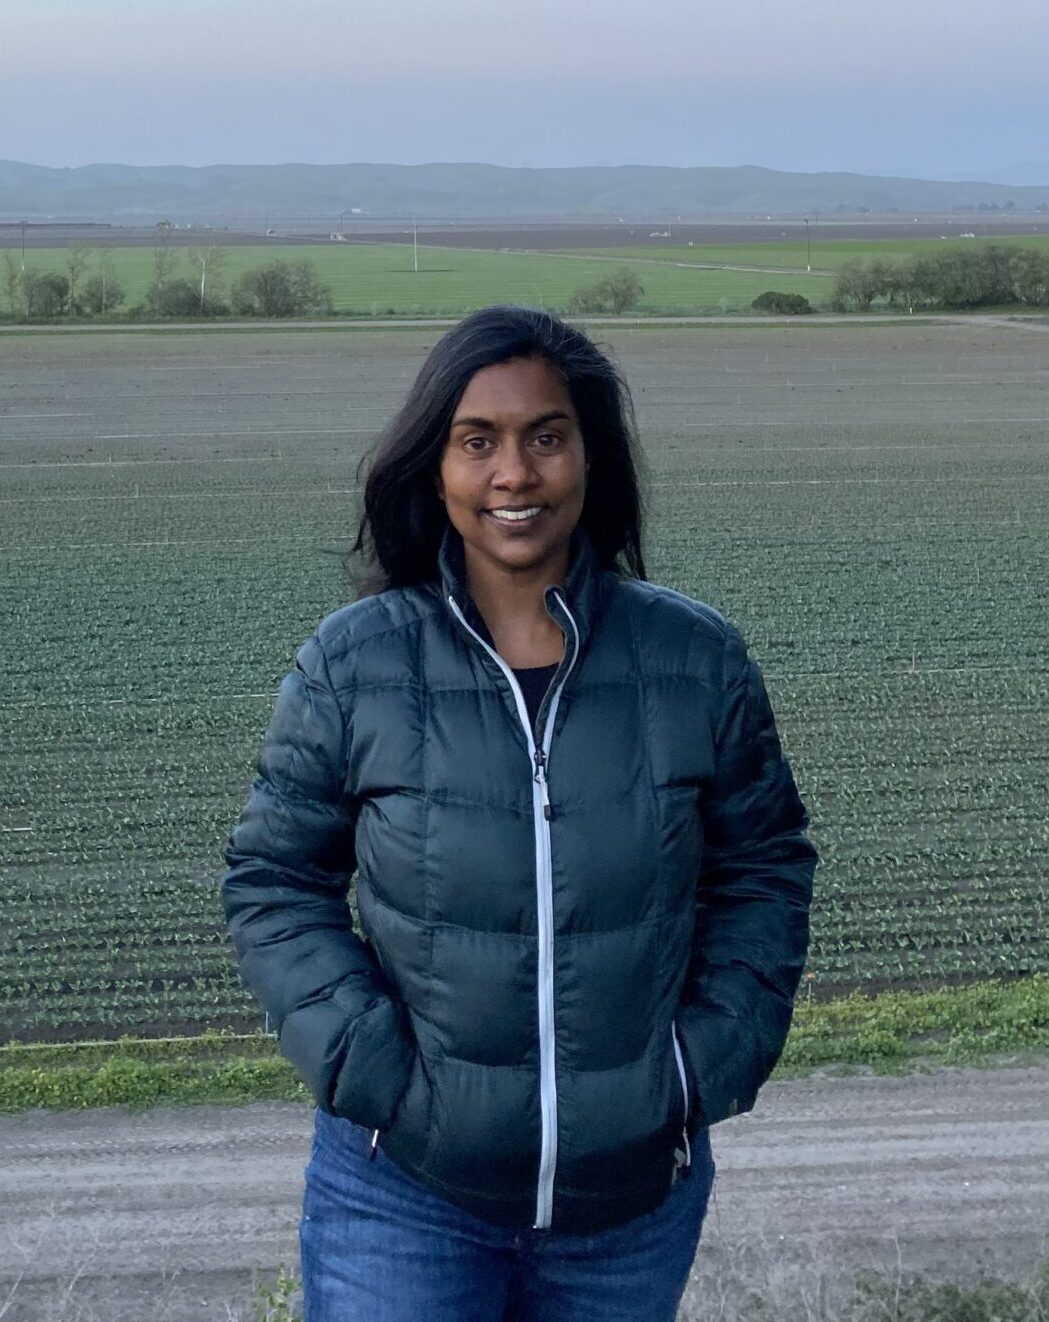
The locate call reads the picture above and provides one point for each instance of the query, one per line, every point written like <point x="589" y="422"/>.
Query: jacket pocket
<point x="410" y="1126"/>
<point x="679" y="1061"/>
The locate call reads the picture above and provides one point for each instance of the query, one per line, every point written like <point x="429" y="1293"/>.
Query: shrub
<point x="914" y="1299"/>
<point x="44" y="295"/>
<point x="174" y="298"/>
<point x="281" y="1301"/>
<point x="280" y="289"/>
<point x="616" y="293"/>
<point x="589" y="300"/>
<point x="624" y="289"/>
<point x="786" y="305"/>
<point x="98" y="295"/>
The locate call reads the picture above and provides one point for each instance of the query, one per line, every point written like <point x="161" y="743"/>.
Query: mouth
<point x="516" y="516"/>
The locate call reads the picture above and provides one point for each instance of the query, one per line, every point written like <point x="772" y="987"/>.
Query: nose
<point x="514" y="469"/>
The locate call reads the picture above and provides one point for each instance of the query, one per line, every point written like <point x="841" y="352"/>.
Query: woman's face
<point x="513" y="471"/>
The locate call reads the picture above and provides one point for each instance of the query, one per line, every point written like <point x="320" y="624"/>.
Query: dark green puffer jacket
<point x="570" y="955"/>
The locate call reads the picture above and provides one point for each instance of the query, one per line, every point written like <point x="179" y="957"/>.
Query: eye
<point x="476" y="444"/>
<point x="547" y="440"/>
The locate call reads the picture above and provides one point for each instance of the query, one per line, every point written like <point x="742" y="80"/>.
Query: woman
<point x="583" y="879"/>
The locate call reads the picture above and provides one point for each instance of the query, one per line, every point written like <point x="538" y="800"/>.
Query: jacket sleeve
<point x="290" y="860"/>
<point x="752" y="910"/>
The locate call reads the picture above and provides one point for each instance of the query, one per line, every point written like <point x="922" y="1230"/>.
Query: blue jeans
<point x="379" y="1247"/>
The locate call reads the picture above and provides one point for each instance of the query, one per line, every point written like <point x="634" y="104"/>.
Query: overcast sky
<point x="948" y="88"/>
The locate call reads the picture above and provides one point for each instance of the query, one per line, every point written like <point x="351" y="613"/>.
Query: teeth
<point x="513" y="516"/>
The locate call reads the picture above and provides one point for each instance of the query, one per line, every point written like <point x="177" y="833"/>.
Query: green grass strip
<point x="215" y="1067"/>
<point x="893" y="1032"/>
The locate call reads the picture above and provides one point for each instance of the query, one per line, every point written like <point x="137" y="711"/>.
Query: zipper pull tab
<point x="540" y="780"/>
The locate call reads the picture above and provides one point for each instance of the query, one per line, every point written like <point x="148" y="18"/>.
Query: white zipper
<point x="684" y="1090"/>
<point x="544" y="868"/>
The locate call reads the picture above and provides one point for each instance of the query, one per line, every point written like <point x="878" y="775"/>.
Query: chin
<point x="525" y="558"/>
<point x="522" y="556"/>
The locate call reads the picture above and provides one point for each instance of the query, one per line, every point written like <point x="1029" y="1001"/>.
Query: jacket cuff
<point x="365" y="1069"/>
<point x="727" y="1059"/>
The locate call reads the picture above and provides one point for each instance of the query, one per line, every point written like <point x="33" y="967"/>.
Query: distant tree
<point x="972" y="277"/>
<point x="952" y="279"/>
<point x="13" y="289"/>
<point x="1029" y="270"/>
<point x="210" y="261"/>
<point x="879" y="278"/>
<point x="79" y="256"/>
<point x="280" y="289"/>
<point x="106" y="291"/>
<point x="165" y="260"/>
<point x="100" y="293"/>
<point x="616" y="293"/>
<point x="994" y="265"/>
<point x="989" y="275"/>
<point x="45" y="295"/>
<point x="890" y="277"/>
<point x="855" y="286"/>
<point x="789" y="305"/>
<point x="911" y="283"/>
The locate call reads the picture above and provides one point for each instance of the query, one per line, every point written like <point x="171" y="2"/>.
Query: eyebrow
<point x="486" y="424"/>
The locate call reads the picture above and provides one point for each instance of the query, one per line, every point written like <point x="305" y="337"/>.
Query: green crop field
<point x="370" y="279"/>
<point x="378" y="280"/>
<point x="866" y="503"/>
<point x="827" y="255"/>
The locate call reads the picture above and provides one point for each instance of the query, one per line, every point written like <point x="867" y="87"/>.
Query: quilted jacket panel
<point x="679" y="886"/>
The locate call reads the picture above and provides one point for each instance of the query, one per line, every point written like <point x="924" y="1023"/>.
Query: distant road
<point x="693" y="264"/>
<point x="165" y="1213"/>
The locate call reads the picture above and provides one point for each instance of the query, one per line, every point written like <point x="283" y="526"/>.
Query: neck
<point x="510" y="594"/>
<point x="514" y="610"/>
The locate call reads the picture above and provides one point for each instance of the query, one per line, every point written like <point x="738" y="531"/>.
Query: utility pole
<point x="23" y="247"/>
<point x="808" y="246"/>
<point x="415" y="246"/>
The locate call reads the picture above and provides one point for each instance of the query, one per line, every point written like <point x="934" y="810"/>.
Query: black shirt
<point x="534" y="682"/>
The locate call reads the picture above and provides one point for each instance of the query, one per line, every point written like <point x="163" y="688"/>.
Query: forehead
<point x="516" y="390"/>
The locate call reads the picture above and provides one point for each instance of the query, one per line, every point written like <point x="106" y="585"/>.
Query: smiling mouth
<point x="522" y="515"/>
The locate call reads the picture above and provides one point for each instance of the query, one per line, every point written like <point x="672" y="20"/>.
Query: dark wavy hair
<point x="403" y="519"/>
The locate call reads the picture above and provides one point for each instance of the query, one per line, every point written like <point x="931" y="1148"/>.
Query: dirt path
<point x="1027" y="323"/>
<point x="113" y="1217"/>
<point x="624" y="321"/>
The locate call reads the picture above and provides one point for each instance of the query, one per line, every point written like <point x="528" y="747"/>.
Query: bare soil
<point x="536" y="235"/>
<point x="109" y="1216"/>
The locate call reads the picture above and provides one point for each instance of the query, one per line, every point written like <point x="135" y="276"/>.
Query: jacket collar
<point x="581" y="590"/>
